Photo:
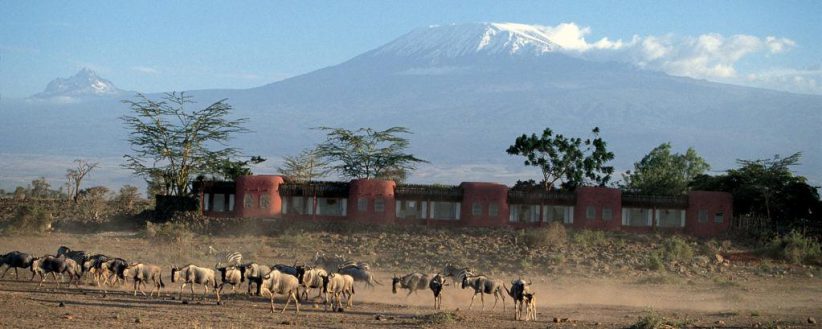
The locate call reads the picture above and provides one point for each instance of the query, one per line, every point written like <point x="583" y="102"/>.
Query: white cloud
<point x="806" y="80"/>
<point x="146" y="70"/>
<point x="707" y="56"/>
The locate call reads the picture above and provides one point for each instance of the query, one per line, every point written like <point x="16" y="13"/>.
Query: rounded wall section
<point x="372" y="201"/>
<point x="484" y="204"/>
<point x="259" y="196"/>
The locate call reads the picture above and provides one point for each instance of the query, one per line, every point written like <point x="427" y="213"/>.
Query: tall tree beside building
<point x="664" y="172"/>
<point x="569" y="161"/>
<point x="175" y="143"/>
<point x="367" y="153"/>
<point x="306" y="166"/>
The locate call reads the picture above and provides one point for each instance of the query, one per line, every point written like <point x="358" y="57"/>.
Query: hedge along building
<point x="699" y="213"/>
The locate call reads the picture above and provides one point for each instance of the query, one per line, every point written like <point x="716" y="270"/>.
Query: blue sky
<point x="154" y="46"/>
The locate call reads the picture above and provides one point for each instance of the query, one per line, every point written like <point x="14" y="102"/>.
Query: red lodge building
<point x="698" y="213"/>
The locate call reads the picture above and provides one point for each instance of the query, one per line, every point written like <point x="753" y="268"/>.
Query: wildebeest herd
<point x="295" y="282"/>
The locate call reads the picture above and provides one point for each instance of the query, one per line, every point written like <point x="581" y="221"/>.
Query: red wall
<point x="370" y="190"/>
<point x="713" y="202"/>
<point x="484" y="194"/>
<point x="599" y="198"/>
<point x="257" y="186"/>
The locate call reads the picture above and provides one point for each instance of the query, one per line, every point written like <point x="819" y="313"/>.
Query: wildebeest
<point x="436" y="285"/>
<point x="94" y="266"/>
<point x="230" y="275"/>
<point x="56" y="265"/>
<point x="360" y="274"/>
<point x="192" y="274"/>
<point x="142" y="273"/>
<point x="254" y="273"/>
<point x="16" y="260"/>
<point x="517" y="292"/>
<point x="483" y="285"/>
<point x="530" y="300"/>
<point x="79" y="256"/>
<point x="287" y="269"/>
<point x="412" y="281"/>
<point x="116" y="267"/>
<point x="276" y="282"/>
<point x="310" y="278"/>
<point x="336" y="285"/>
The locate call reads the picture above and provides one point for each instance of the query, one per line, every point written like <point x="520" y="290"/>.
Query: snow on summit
<point x="84" y="83"/>
<point x="458" y="40"/>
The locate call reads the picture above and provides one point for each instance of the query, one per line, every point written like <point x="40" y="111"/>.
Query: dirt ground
<point x="600" y="303"/>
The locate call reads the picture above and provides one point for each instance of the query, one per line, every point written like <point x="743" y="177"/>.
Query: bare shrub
<point x="552" y="236"/>
<point x="795" y="248"/>
<point x="169" y="232"/>
<point x="30" y="219"/>
<point x="677" y="249"/>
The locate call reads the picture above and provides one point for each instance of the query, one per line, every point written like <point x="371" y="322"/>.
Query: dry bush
<point x="795" y="248"/>
<point x="552" y="236"/>
<point x="29" y="219"/>
<point x="677" y="249"/>
<point x="589" y="238"/>
<point x="169" y="232"/>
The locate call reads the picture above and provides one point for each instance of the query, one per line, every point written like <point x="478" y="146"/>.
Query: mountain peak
<point x="85" y="83"/>
<point x="458" y="40"/>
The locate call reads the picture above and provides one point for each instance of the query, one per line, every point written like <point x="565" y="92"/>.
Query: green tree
<point x="570" y="161"/>
<point x="231" y="170"/>
<point x="768" y="188"/>
<point x="40" y="188"/>
<point x="173" y="143"/>
<point x="666" y="173"/>
<point x="367" y="153"/>
<point x="306" y="166"/>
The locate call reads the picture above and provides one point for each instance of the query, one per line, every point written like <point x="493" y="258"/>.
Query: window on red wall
<point x="703" y="216"/>
<point x="248" y="201"/>
<point x="476" y="209"/>
<point x="379" y="205"/>
<point x="362" y="204"/>
<point x="590" y="213"/>
<point x="719" y="217"/>
<point x="607" y="214"/>
<point x="265" y="201"/>
<point x="493" y="210"/>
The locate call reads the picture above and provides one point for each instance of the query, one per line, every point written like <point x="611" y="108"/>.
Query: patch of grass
<point x="589" y="238"/>
<point x="169" y="232"/>
<point x="441" y="318"/>
<point x="755" y="313"/>
<point x="654" y="262"/>
<point x="651" y="320"/>
<point x="552" y="236"/>
<point x="795" y="248"/>
<point x="677" y="249"/>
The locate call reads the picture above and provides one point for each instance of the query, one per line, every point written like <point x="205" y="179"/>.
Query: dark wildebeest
<point x="56" y="265"/>
<point x="16" y="260"/>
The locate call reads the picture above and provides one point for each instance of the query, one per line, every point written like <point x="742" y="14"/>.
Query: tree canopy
<point x="767" y="188"/>
<point x="664" y="172"/>
<point x="304" y="167"/>
<point x="571" y="161"/>
<point x="367" y="153"/>
<point x="173" y="144"/>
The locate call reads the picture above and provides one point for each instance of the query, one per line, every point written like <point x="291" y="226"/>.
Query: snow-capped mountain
<point x="449" y="41"/>
<point x="85" y="83"/>
<point x="467" y="91"/>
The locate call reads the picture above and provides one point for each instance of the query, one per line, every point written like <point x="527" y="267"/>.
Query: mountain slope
<point x="466" y="91"/>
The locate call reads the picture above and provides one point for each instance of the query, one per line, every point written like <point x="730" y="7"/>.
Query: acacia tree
<point x="173" y="143"/>
<point x="74" y="176"/>
<point x="305" y="166"/>
<point x="663" y="172"/>
<point x="569" y="160"/>
<point x="367" y="153"/>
